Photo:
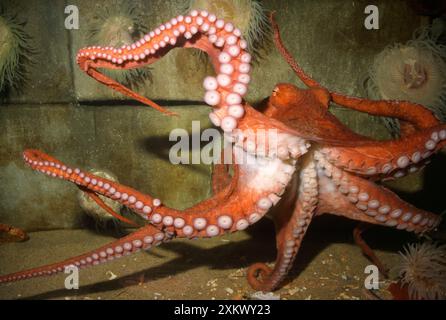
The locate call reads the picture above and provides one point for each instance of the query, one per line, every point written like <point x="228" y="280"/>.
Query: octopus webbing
<point x="306" y="165"/>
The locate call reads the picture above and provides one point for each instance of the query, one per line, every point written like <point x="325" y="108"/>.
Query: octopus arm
<point x="292" y="219"/>
<point x="417" y="115"/>
<point x="254" y="189"/>
<point x="90" y="68"/>
<point x="93" y="196"/>
<point x="413" y="113"/>
<point x="389" y="159"/>
<point x="345" y="194"/>
<point x="202" y="30"/>
<point x="144" y="238"/>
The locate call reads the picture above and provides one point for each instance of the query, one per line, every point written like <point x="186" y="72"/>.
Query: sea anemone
<point x="247" y="15"/>
<point x="423" y="270"/>
<point x="92" y="209"/>
<point x="414" y="71"/>
<point x="16" y="51"/>
<point x="117" y="24"/>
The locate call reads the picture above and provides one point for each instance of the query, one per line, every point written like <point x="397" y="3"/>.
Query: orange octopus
<point x="311" y="165"/>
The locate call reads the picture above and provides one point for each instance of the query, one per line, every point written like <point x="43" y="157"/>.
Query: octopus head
<point x="283" y="93"/>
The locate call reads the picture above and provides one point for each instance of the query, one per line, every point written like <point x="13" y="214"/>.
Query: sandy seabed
<point x="329" y="266"/>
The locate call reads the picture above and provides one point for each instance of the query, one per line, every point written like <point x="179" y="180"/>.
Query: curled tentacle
<point x="257" y="275"/>
<point x="219" y="39"/>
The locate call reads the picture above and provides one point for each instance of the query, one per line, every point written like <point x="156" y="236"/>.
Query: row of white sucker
<point x="402" y="165"/>
<point x="381" y="212"/>
<point x="148" y="210"/>
<point x="226" y="90"/>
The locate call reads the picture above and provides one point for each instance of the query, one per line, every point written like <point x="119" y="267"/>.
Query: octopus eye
<point x="275" y="91"/>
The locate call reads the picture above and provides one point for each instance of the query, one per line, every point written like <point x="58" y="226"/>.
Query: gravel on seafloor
<point x="182" y="269"/>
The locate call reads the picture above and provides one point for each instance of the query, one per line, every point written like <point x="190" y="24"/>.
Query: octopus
<point x="291" y="157"/>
